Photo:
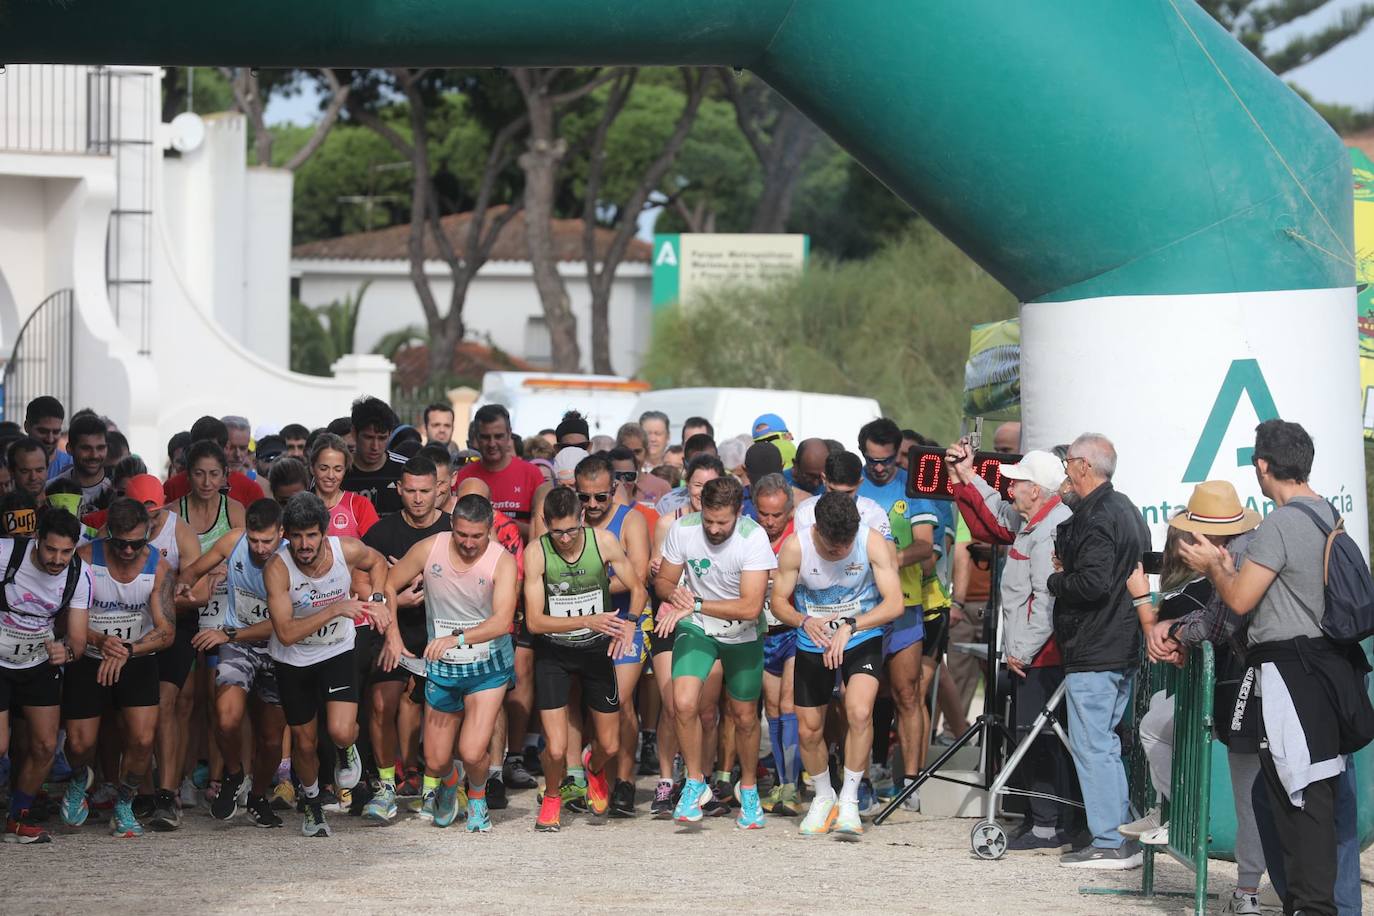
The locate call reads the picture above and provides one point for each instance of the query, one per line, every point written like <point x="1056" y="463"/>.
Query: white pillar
<point x="365" y="373"/>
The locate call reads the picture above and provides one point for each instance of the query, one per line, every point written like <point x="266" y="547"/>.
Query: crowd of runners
<point x="370" y="619"/>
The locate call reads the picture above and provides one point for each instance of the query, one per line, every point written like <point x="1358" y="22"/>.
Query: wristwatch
<point x="853" y="624"/>
<point x="231" y="633"/>
<point x="377" y="598"/>
<point x="696" y="605"/>
<point x="129" y="647"/>
<point x="462" y="639"/>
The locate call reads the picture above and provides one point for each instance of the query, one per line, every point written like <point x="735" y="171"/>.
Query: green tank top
<point x="218" y="529"/>
<point x="577" y="588"/>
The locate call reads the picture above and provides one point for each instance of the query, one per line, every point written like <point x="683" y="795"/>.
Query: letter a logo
<point x="666" y="256"/>
<point x="1243" y="378"/>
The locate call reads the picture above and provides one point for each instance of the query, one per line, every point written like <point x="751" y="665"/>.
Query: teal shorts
<point x="694" y="653"/>
<point x="446" y="694"/>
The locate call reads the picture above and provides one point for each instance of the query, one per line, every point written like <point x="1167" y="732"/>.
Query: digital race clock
<point x="928" y="476"/>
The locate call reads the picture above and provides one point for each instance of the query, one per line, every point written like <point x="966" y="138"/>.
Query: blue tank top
<point x="621" y="600"/>
<point x="844" y="587"/>
<point x="247" y="594"/>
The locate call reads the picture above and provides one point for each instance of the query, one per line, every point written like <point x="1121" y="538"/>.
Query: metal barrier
<point x="41" y="362"/>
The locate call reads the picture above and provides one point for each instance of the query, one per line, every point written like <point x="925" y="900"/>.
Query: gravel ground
<point x="912" y="864"/>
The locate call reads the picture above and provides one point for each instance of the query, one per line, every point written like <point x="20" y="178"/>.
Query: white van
<point x="732" y="411"/>
<point x="538" y="400"/>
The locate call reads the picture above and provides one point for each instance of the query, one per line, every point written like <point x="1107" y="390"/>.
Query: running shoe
<point x="772" y="799"/>
<point x="284" y="796"/>
<point x="750" y="812"/>
<point x="694" y="794"/>
<point x="225" y="804"/>
<point x="212" y="793"/>
<point x="724" y="792"/>
<point x="340" y="802"/>
<point x="200" y="776"/>
<point x="123" y="824"/>
<point x="361" y="794"/>
<point x="166" y="814"/>
<point x="479" y="821"/>
<point x="820" y="818"/>
<point x="445" y="804"/>
<point x="427" y="807"/>
<point x="648" y="754"/>
<point x="532" y="762"/>
<point x="1141" y="825"/>
<point x="21" y="829"/>
<point x="550" y="814"/>
<point x="623" y="799"/>
<point x="662" y="806"/>
<point x="188" y="795"/>
<point x="412" y="786"/>
<point x="104" y="797"/>
<point x="847" y="822"/>
<point x="868" y="799"/>
<point x="598" y="790"/>
<point x="314" y="823"/>
<point x="261" y="814"/>
<point x="516" y="775"/>
<point x="789" y="805"/>
<point x="496" y="793"/>
<point x="1242" y="904"/>
<point x="381" y="808"/>
<point x="74" y="808"/>
<point x="143" y="806"/>
<point x="573" y="795"/>
<point x="349" y="768"/>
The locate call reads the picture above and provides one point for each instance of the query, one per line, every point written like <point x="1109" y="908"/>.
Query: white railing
<point x="54" y="108"/>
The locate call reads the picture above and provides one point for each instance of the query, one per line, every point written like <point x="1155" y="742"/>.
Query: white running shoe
<point x="349" y="769"/>
<point x="847" y="822"/>
<point x="820" y="817"/>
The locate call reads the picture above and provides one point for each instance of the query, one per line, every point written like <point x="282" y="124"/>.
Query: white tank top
<point x="828" y="587"/>
<point x="166" y="542"/>
<point x="309" y="596"/>
<point x="119" y="609"/>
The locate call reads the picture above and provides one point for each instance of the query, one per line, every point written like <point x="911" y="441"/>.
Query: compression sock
<point x="775" y="740"/>
<point x="821" y="785"/>
<point x="477" y="792"/>
<point x="791" y="748"/>
<point x="387" y="774"/>
<point x="579" y="775"/>
<point x="451" y="779"/>
<point x="431" y="783"/>
<point x="312" y="790"/>
<point x="849" y="792"/>
<point x="720" y="776"/>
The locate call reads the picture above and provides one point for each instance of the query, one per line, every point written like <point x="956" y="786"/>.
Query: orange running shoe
<point x="598" y="790"/>
<point x="550" y="814"/>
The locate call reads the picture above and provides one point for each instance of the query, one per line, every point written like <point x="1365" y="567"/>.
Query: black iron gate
<point x="41" y="362"/>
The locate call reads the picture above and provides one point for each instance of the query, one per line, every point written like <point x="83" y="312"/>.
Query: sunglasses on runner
<point x="134" y="545"/>
<point x="626" y="476"/>
<point x="599" y="497"/>
<point x="880" y="462"/>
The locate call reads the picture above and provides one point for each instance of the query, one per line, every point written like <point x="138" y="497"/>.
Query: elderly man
<point x="1098" y="633"/>
<point x="1033" y="512"/>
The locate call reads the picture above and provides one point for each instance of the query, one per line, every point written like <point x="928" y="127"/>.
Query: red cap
<point x="147" y="489"/>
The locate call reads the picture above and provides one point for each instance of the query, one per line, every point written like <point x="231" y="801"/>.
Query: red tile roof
<point x="470" y="361"/>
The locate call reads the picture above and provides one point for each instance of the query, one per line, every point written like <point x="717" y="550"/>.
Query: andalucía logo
<point x="1243" y="378"/>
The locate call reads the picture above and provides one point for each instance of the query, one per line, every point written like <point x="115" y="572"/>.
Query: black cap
<point x="761" y="459"/>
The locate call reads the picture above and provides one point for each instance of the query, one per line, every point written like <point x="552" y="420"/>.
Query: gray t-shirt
<point x="1290" y="543"/>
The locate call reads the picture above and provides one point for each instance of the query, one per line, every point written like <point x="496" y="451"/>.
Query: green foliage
<point x="894" y="327"/>
<point x="1250" y="21"/>
<point x="319" y="336"/>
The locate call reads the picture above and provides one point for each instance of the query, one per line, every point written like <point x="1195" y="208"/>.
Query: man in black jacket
<point x="1096" y="627"/>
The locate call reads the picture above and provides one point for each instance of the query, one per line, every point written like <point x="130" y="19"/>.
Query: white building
<point x="149" y="283"/>
<point x="502" y="302"/>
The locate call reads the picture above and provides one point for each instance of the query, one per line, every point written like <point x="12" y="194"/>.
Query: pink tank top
<point x="459" y="594"/>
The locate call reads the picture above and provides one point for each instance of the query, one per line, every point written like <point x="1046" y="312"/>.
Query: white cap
<point x="565" y="462"/>
<point x="1038" y="467"/>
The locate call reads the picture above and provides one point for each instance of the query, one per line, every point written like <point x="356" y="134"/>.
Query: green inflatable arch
<point x="1128" y="160"/>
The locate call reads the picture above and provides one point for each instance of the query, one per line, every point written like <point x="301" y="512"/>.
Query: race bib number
<point x="212" y="615"/>
<point x="19" y="648"/>
<point x="461" y="655"/>
<point x="415" y="666"/>
<point x="331" y="634"/>
<point x="128" y="627"/>
<point x="249" y="608"/>
<point x="584" y="604"/>
<point x="717" y="628"/>
<point x="844" y="609"/>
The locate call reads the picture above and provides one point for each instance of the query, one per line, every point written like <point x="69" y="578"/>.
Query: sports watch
<point x="231" y="633"/>
<point x="853" y="624"/>
<point x="696" y="605"/>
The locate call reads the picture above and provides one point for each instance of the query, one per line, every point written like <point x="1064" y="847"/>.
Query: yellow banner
<point x="1363" y="173"/>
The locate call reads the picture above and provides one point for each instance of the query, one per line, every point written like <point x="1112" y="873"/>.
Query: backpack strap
<point x="1327" y="531"/>
<point x="12" y="570"/>
<point x="73" y="580"/>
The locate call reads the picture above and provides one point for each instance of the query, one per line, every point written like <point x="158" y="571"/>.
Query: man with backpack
<point x="1309" y="591"/>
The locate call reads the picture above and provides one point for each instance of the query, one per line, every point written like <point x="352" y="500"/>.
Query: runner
<point x="28" y="466"/>
<point x="512" y="481"/>
<point x="395" y="721"/>
<point x="844" y="474"/>
<point x="700" y="471"/>
<point x="655" y="424"/>
<point x="578" y="636"/>
<point x="715" y="617"/>
<point x="470" y="588"/>
<point x="43" y="418"/>
<point x="242" y="490"/>
<point x="88" y="444"/>
<point x="245" y="668"/>
<point x="773" y="506"/>
<point x="917" y="639"/>
<point x="351" y="514"/>
<point x="438" y="420"/>
<point x="375" y="471"/>
<point x="312" y="642"/>
<point x="129" y="620"/>
<point x="43" y="578"/>
<point x="443" y="470"/>
<point x="837" y="584"/>
<point x="295" y="436"/>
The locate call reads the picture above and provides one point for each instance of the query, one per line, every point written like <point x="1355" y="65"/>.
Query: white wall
<point x="267" y="265"/>
<point x="499" y="302"/>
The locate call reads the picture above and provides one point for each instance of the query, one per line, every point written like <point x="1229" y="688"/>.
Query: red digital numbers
<point x="929" y="477"/>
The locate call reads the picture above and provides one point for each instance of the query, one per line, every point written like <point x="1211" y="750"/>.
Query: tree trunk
<point x="793" y="138"/>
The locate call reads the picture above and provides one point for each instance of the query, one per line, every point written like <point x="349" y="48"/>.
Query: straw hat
<point x="1215" y="508"/>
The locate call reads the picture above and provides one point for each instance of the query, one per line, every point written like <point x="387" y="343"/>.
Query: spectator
<point x="1316" y="710"/>
<point x="1095" y="626"/>
<point x="43" y="420"/>
<point x="655" y="425"/>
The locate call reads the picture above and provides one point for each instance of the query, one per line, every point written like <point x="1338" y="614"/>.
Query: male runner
<point x="844" y="474"/>
<point x="395" y="734"/>
<point x="443" y="475"/>
<point x="312" y="642"/>
<point x="469" y="598"/>
<point x="87" y="443"/>
<point x="578" y="635"/>
<point x="512" y="481"/>
<point x="43" y="578"/>
<point x="837" y="583"/>
<point x="715" y="617"/>
<point x="28" y="465"/>
<point x="129" y="620"/>
<point x="439" y="424"/>
<point x="374" y="471"/>
<point x="295" y="436"/>
<point x="245" y="667"/>
<point x="43" y="420"/>
<point x="242" y="489"/>
<point x="773" y="505"/>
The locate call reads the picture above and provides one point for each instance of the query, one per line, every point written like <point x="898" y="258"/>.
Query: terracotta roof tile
<point x="470" y="361"/>
<point x="392" y="243"/>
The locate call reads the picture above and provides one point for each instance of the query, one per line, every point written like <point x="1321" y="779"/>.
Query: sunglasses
<point x="880" y="462"/>
<point x="626" y="476"/>
<point x="135" y="545"/>
<point x="771" y="437"/>
<point x="599" y="497"/>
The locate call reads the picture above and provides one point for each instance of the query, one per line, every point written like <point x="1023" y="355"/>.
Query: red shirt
<point x="512" y="489"/>
<point x="352" y="516"/>
<point x="242" y="489"/>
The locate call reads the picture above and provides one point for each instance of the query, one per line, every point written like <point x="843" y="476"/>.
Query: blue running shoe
<point x="479" y="821"/>
<point x="694" y="794"/>
<point x="75" y="810"/>
<point x="123" y="824"/>
<point x="750" y="811"/>
<point x="445" y="805"/>
<point x="868" y="799"/>
<point x="200" y="776"/>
